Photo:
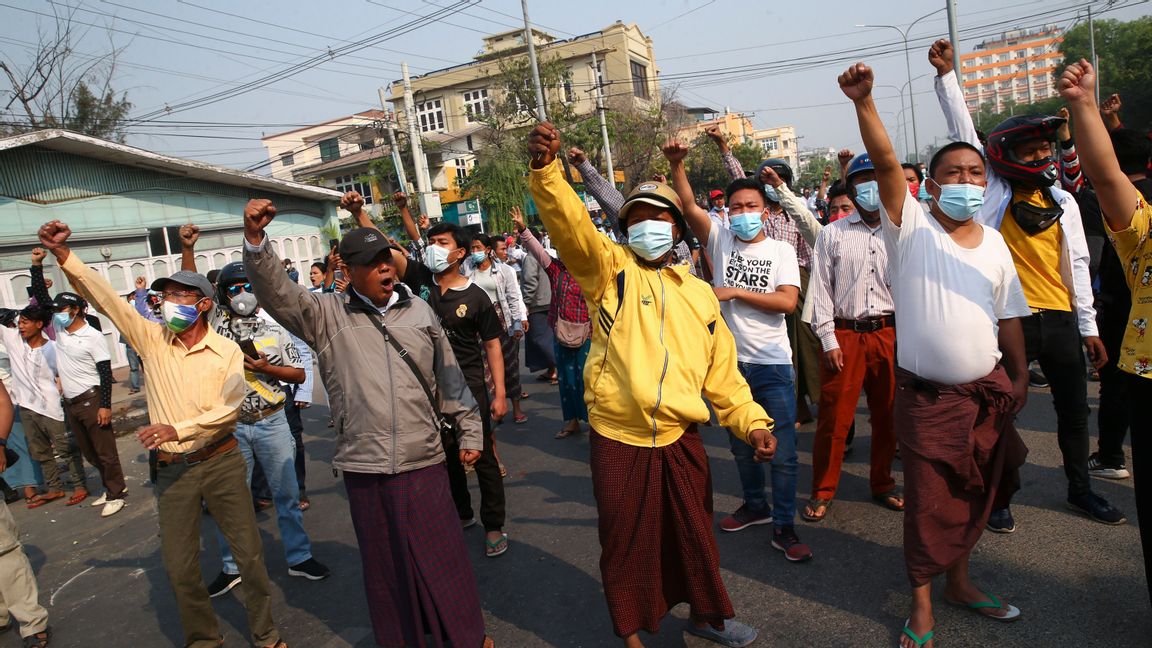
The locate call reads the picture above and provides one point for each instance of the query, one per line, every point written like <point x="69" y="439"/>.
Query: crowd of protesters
<point x="762" y="304"/>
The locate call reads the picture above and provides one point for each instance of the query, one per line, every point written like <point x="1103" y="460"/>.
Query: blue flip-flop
<point x="734" y="634"/>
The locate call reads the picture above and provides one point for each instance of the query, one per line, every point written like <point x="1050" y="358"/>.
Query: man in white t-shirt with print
<point x="961" y="373"/>
<point x="757" y="280"/>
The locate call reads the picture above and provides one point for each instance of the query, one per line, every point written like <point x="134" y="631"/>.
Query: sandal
<point x="304" y="503"/>
<point x="564" y="433"/>
<point x="523" y="395"/>
<point x="920" y="641"/>
<point x="813" y="505"/>
<point x="493" y="549"/>
<point x="503" y="471"/>
<point x="44" y="498"/>
<point x="77" y="497"/>
<point x="520" y="420"/>
<point x="888" y="500"/>
<point x="992" y="603"/>
<point x="38" y="640"/>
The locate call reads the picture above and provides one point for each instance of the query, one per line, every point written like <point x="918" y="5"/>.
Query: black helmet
<point x="1015" y="131"/>
<point x="780" y="166"/>
<point x="230" y="274"/>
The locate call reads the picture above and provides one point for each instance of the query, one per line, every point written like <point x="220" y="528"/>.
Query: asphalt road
<point x="1078" y="583"/>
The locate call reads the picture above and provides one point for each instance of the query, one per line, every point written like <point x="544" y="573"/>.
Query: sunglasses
<point x="238" y="288"/>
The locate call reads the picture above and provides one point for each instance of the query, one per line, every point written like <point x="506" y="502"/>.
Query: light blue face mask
<point x="960" y="202"/>
<point x="479" y="257"/>
<point x="436" y="258"/>
<point x="771" y="192"/>
<point x="62" y="320"/>
<point x="650" y="239"/>
<point x="746" y="226"/>
<point x="868" y="195"/>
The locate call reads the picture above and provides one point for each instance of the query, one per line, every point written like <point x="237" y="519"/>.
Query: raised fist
<point x="674" y="150"/>
<point x="257" y="214"/>
<point x="844" y="157"/>
<point x="424" y="222"/>
<point x="940" y="56"/>
<point x="189" y="234"/>
<point x="141" y="282"/>
<point x="353" y="202"/>
<point x="38" y="254"/>
<point x="1078" y="83"/>
<point x="827" y="173"/>
<point x="1111" y="105"/>
<point x="576" y="156"/>
<point x="714" y="134"/>
<point x="54" y="235"/>
<point x="856" y="82"/>
<point x="769" y="176"/>
<point x="543" y="144"/>
<point x="660" y="177"/>
<point x="400" y="199"/>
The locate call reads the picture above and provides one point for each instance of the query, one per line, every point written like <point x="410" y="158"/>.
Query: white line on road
<point x="52" y="599"/>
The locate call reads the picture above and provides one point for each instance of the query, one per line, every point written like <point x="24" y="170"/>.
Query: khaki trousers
<point x="46" y="436"/>
<point x="221" y="483"/>
<point x="18" y="591"/>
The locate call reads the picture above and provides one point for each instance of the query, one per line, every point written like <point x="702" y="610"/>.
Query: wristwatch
<point x="4" y="442"/>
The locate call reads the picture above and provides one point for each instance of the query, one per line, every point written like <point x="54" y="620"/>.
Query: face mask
<point x="436" y="258"/>
<point x="62" y="320"/>
<point x="479" y="257"/>
<point x="179" y="317"/>
<point x="243" y="304"/>
<point x="960" y="201"/>
<point x="747" y="225"/>
<point x="771" y="193"/>
<point x="868" y="195"/>
<point x="650" y="239"/>
<point x="914" y="189"/>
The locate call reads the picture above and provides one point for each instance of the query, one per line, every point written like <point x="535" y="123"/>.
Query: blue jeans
<point x="270" y="440"/>
<point x="133" y="367"/>
<point x="773" y="388"/>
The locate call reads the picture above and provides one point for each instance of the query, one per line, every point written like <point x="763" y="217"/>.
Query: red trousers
<point x="869" y="364"/>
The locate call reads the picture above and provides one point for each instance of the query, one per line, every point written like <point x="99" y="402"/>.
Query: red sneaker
<point x="745" y="517"/>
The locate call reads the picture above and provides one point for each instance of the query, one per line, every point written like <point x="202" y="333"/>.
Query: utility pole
<point x="390" y="124"/>
<point x="954" y="36"/>
<point x="1092" y="48"/>
<point x="414" y="133"/>
<point x="541" y="109"/>
<point x="603" y="119"/>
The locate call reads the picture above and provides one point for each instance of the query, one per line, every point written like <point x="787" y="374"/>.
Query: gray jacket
<point x="384" y="422"/>
<point x="537" y="287"/>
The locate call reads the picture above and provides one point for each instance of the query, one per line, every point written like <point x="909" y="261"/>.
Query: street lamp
<point x="901" y="89"/>
<point x="908" y="65"/>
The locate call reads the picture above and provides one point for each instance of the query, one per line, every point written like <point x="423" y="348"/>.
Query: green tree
<point x="1122" y="49"/>
<point x="812" y="172"/>
<point x="987" y="117"/>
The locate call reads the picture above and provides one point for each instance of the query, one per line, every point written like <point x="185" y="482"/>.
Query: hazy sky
<point x="176" y="50"/>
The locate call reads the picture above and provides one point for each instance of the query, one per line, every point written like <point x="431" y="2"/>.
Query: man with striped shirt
<point x="854" y="317"/>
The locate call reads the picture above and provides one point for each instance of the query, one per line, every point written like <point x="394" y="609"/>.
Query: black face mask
<point x="1033" y="219"/>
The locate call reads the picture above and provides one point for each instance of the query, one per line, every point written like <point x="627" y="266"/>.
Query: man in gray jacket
<point x="378" y="348"/>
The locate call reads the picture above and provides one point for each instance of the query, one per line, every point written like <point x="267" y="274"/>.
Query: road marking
<point x="52" y="599"/>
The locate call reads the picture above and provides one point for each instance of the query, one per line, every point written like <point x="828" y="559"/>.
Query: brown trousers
<point x="97" y="444"/>
<point x="47" y="437"/>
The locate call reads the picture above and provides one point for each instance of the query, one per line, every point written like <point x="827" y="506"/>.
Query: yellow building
<point x="778" y="142"/>
<point x="1015" y="68"/>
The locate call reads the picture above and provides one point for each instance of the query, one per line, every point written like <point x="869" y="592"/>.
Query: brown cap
<point x="653" y="193"/>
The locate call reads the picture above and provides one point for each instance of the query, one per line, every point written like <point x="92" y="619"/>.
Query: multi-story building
<point x="779" y="142"/>
<point x="1015" y="68"/>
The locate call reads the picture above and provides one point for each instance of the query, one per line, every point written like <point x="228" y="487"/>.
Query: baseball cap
<point x="186" y="278"/>
<point x="653" y="193"/>
<point x="361" y="245"/>
<point x="68" y="299"/>
<point x="715" y="193"/>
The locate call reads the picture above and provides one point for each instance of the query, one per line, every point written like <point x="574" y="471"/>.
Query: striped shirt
<point x="849" y="277"/>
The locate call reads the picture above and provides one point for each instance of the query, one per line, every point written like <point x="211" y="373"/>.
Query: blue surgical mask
<point x="868" y="195"/>
<point x="771" y="192"/>
<point x="62" y="320"/>
<point x="479" y="257"/>
<point x="436" y="258"/>
<point x="960" y="202"/>
<point x="747" y="225"/>
<point x="650" y="239"/>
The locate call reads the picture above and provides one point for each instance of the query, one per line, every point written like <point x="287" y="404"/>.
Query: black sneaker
<point x="1036" y="379"/>
<point x="1098" y="468"/>
<point x="1097" y="508"/>
<point x="1001" y="521"/>
<point x="223" y="584"/>
<point x="785" y="539"/>
<point x="309" y="569"/>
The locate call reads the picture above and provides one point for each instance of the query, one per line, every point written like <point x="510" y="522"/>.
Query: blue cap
<point x="859" y="163"/>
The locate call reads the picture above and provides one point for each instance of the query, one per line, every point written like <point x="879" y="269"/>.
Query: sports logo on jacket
<point x="462" y="311"/>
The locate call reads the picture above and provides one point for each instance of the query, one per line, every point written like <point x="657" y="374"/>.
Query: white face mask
<point x="650" y="239"/>
<point x="436" y="258"/>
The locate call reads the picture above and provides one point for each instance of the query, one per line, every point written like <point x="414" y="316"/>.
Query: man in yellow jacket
<point x="659" y="343"/>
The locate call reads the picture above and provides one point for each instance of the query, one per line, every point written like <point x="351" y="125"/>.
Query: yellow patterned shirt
<point x="1135" y="253"/>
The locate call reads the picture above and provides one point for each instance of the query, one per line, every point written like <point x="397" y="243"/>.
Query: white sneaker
<point x="103" y="499"/>
<point x="112" y="508"/>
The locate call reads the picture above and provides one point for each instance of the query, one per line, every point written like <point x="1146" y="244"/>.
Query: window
<point x="347" y="183"/>
<point x="163" y="241"/>
<point x="287" y="159"/>
<point x="1021" y="53"/>
<point x="329" y="149"/>
<point x="771" y="145"/>
<point x="569" y="93"/>
<point x="461" y="173"/>
<point x="1039" y="78"/>
<point x="430" y="115"/>
<point x="640" y="80"/>
<point x="367" y="145"/>
<point x="476" y="104"/>
<point x="468" y="143"/>
<point x="1006" y="84"/>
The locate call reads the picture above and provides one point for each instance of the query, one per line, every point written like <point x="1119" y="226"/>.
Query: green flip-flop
<point x="993" y="603"/>
<point x="920" y="641"/>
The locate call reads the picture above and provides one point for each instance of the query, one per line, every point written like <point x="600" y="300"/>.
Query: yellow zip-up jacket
<point x="659" y="343"/>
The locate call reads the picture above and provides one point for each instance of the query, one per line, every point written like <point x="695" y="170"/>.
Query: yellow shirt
<point x="1037" y="257"/>
<point x="658" y="347"/>
<point x="1136" y="256"/>
<point x="198" y="391"/>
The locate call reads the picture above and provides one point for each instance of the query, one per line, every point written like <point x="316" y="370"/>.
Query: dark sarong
<point x="656" y="539"/>
<point x="962" y="458"/>
<point x="417" y="575"/>
<point x="807" y="351"/>
<point x="538" y="343"/>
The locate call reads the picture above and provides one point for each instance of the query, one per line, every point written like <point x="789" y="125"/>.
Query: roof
<point x="93" y="147"/>
<point x="372" y="113"/>
<point x="354" y="159"/>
